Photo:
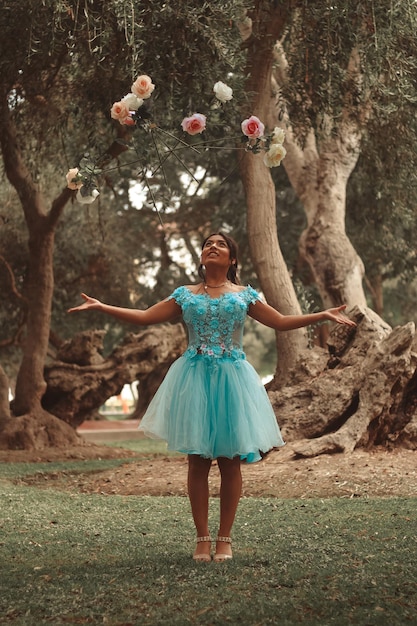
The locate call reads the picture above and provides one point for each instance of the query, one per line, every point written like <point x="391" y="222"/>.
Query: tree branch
<point x="16" y="170"/>
<point x="12" y="280"/>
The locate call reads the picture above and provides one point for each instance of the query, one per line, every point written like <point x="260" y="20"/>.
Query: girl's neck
<point x="214" y="279"/>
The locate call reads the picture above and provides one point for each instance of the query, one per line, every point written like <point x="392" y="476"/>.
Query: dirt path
<point x="281" y="474"/>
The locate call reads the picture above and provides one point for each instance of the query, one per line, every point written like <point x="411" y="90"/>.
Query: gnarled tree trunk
<point x="360" y="393"/>
<point x="319" y="173"/>
<point x="80" y="380"/>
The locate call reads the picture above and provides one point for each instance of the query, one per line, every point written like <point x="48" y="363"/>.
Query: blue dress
<point x="212" y="401"/>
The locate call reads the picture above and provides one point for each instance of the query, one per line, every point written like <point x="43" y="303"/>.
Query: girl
<point x="212" y="404"/>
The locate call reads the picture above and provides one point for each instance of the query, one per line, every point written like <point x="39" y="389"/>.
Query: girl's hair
<point x="233" y="250"/>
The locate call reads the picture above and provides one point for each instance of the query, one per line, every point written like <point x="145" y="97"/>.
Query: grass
<point x="117" y="560"/>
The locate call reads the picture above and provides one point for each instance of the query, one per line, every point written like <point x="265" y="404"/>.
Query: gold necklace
<point x="206" y="286"/>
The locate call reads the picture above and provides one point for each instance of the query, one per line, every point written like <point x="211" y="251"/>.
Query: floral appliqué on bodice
<point x="215" y="325"/>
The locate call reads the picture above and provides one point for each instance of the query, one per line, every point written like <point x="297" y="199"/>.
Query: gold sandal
<point x="202" y="558"/>
<point x="220" y="557"/>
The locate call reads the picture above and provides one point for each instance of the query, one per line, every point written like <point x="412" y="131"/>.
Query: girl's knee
<point x="229" y="466"/>
<point x="198" y="464"/>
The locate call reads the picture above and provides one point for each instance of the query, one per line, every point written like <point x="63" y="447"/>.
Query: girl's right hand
<point x="88" y="304"/>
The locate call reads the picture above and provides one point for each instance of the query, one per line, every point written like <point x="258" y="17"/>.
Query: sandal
<point x="220" y="557"/>
<point x="202" y="558"/>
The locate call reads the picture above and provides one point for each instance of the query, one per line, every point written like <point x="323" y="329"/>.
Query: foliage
<point x="76" y="558"/>
<point x="319" y="44"/>
<point x="381" y="203"/>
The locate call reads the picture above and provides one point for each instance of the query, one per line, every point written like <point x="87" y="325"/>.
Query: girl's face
<point x="216" y="251"/>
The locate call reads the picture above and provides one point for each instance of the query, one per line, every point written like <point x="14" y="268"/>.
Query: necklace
<point x="215" y="286"/>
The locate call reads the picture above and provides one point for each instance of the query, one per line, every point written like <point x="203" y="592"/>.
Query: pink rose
<point x="120" y="111"/>
<point x="253" y="127"/>
<point x="143" y="87"/>
<point x="194" y="124"/>
<point x="72" y="179"/>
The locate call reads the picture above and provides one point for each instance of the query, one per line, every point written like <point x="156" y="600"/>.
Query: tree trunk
<point x="319" y="172"/>
<point x="359" y="393"/>
<point x="4" y="399"/>
<point x="30" y="384"/>
<point x="80" y="380"/>
<point x="336" y="267"/>
<point x="376" y="290"/>
<point x="266" y="255"/>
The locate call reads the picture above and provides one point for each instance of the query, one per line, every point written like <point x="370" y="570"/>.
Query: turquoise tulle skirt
<point x="213" y="407"/>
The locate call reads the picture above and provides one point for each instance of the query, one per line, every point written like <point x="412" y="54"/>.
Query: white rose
<point x="278" y="135"/>
<point x="132" y="102"/>
<point x="222" y="91"/>
<point x="275" y="154"/>
<point x="87" y="199"/>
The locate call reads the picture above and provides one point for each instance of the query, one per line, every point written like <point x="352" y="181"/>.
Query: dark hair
<point x="233" y="249"/>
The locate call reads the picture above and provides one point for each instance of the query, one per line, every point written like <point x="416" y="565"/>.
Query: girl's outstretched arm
<point x="269" y="316"/>
<point x="164" y="311"/>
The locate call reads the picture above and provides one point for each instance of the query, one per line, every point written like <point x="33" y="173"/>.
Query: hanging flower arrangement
<point x="130" y="111"/>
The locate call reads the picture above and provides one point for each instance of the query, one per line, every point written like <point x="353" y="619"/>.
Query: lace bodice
<point x="215" y="325"/>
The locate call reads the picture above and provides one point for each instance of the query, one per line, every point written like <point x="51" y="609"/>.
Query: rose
<point x="253" y="127"/>
<point x="132" y="102"/>
<point x="87" y="199"/>
<point x="194" y="124"/>
<point x="143" y="86"/>
<point x="73" y="182"/>
<point x="278" y="135"/>
<point x="120" y="111"/>
<point x="275" y="154"/>
<point x="222" y="91"/>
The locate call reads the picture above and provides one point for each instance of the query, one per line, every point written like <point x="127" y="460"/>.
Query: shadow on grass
<point x="94" y="559"/>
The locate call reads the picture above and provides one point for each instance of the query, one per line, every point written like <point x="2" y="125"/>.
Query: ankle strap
<point x="224" y="539"/>
<point x="201" y="539"/>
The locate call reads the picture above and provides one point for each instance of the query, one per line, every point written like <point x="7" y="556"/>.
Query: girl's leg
<point x="198" y="493"/>
<point x="230" y="492"/>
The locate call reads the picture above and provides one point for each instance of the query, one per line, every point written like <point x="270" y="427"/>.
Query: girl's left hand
<point x="336" y="315"/>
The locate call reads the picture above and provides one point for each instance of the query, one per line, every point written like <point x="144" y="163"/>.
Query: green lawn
<point x="95" y="559"/>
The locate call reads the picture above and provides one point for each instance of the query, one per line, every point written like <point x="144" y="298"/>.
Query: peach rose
<point x="120" y="111"/>
<point x="194" y="124"/>
<point x="72" y="180"/>
<point x="253" y="127"/>
<point x="275" y="154"/>
<point x="143" y="87"/>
